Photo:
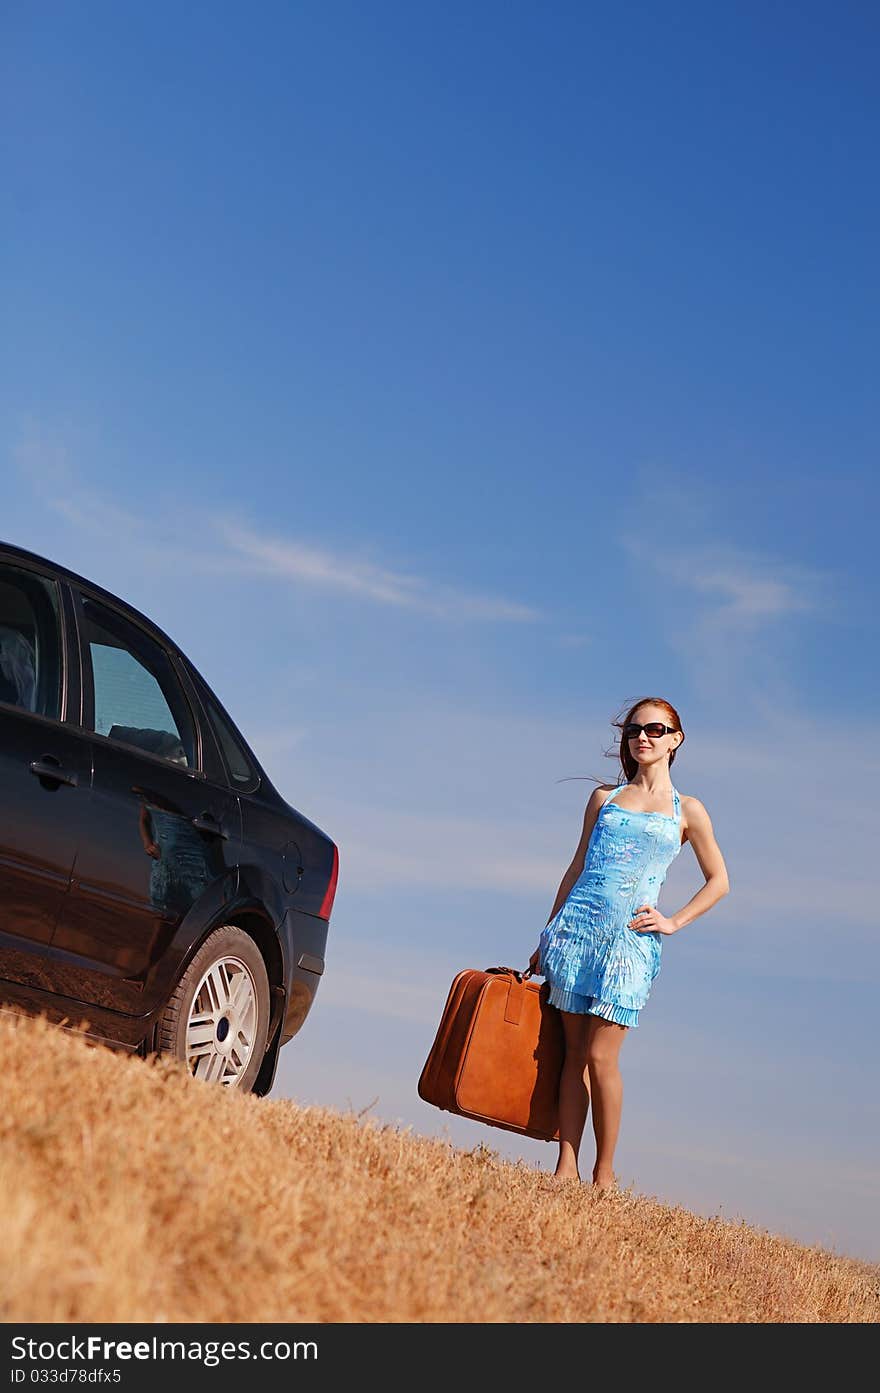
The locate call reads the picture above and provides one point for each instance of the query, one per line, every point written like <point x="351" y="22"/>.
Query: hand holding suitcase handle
<point x="520" y="976"/>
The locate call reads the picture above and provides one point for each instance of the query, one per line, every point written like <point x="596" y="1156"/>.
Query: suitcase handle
<point x="520" y="976"/>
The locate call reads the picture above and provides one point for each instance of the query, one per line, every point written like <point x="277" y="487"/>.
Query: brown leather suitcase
<point x="498" y="1053"/>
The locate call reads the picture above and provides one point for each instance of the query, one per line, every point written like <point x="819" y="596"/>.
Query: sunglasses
<point x="653" y="730"/>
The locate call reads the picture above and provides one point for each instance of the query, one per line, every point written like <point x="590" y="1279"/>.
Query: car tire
<point x="217" y="1018"/>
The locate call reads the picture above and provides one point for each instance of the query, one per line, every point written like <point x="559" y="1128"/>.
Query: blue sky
<point x="442" y="379"/>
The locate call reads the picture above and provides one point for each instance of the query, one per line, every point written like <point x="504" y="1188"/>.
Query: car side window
<point x="138" y="699"/>
<point x="241" y="772"/>
<point x="30" y="642"/>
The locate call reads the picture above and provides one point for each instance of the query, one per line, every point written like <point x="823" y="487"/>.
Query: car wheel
<point x="217" y="1018"/>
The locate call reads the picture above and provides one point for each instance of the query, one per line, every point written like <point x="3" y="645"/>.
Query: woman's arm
<point x="145" y="825"/>
<point x="566" y="885"/>
<point x="708" y="854"/>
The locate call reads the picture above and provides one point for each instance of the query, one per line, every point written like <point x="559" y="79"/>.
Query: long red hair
<point x="628" y="764"/>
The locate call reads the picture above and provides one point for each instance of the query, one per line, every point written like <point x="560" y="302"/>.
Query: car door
<point x="163" y="840"/>
<point x="45" y="770"/>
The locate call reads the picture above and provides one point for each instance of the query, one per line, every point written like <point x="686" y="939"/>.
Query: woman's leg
<point x="574" y="1093"/>
<point x="604" y="1039"/>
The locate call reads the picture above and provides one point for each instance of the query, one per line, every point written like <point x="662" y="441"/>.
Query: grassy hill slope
<point x="131" y="1192"/>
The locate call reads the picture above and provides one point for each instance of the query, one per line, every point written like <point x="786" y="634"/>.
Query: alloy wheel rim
<point x="222" y="1023"/>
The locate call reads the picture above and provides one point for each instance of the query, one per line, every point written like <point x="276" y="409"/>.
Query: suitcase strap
<point x="515" y="992"/>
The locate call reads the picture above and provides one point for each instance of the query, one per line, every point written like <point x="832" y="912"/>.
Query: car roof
<point x="67" y="574"/>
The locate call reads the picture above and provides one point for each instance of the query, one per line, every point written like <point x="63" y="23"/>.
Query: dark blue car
<point x="155" y="889"/>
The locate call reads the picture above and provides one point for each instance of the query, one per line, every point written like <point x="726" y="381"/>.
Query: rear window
<point x="241" y="772"/>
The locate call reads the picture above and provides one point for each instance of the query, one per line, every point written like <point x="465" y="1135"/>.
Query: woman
<point x="600" y="950"/>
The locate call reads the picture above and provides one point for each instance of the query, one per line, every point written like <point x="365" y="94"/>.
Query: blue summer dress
<point x="593" y="961"/>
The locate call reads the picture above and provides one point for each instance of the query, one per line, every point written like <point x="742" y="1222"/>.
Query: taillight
<point x="330" y="894"/>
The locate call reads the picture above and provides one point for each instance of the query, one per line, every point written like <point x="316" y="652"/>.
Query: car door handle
<point x="50" y="768"/>
<point x="206" y="823"/>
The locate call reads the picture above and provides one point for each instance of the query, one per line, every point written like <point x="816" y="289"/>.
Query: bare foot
<point x="605" y="1182"/>
<point x="560" y="1177"/>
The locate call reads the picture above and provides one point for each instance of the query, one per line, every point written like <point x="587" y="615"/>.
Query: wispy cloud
<point x="738" y="586"/>
<point x="90" y="515"/>
<point x="357" y="986"/>
<point x="731" y="614"/>
<point x="386" y="848"/>
<point x="747" y="596"/>
<point x="226" y="545"/>
<point x="327" y="569"/>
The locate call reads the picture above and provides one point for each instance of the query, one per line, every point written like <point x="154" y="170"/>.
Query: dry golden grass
<point x="131" y="1192"/>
